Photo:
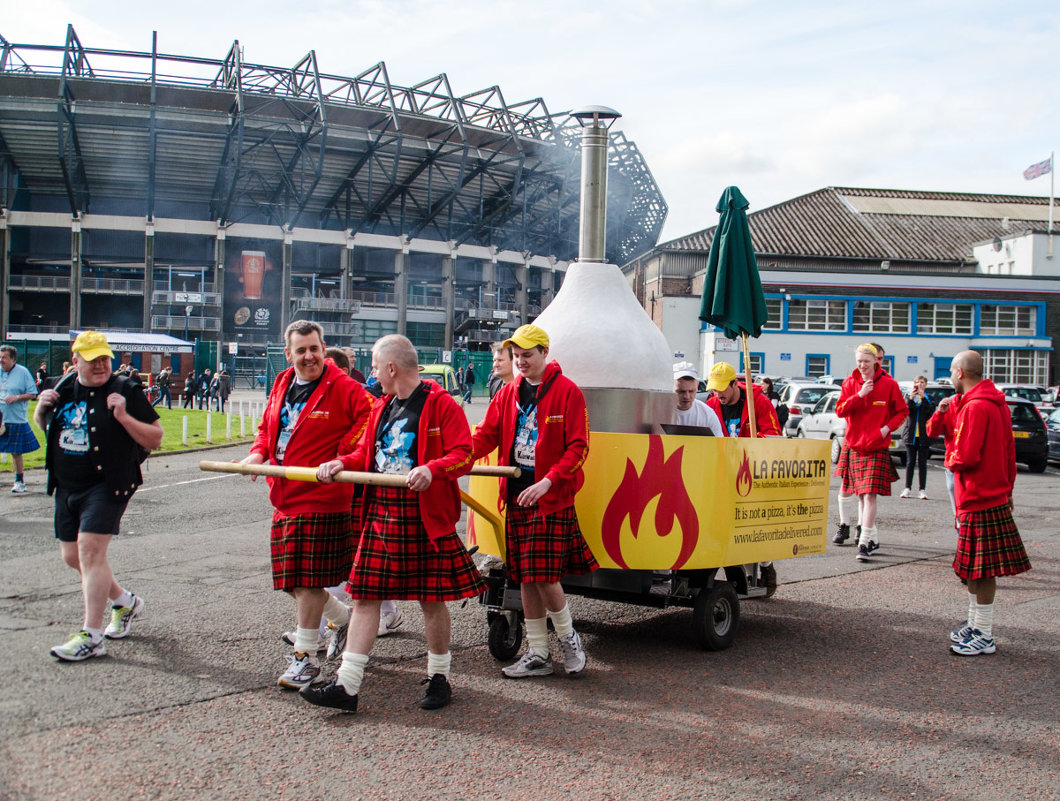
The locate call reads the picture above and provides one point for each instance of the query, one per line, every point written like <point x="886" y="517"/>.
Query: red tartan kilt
<point x="396" y="560"/>
<point x="989" y="545"/>
<point x="314" y="550"/>
<point x="865" y="472"/>
<point x="545" y="548"/>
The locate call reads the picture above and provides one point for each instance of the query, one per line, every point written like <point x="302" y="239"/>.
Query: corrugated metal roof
<point x="859" y="223"/>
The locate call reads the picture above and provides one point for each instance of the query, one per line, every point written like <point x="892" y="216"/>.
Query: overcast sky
<point x="780" y="98"/>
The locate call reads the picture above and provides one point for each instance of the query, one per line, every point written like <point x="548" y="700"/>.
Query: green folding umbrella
<point x="732" y="294"/>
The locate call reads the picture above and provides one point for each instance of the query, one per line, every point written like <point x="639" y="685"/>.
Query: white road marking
<point x="190" y="481"/>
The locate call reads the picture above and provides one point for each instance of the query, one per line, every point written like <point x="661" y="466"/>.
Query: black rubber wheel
<point x="716" y="616"/>
<point x="1038" y="465"/>
<point x="505" y="636"/>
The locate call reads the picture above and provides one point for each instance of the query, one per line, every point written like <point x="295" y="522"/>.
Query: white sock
<point x="351" y="672"/>
<point x="336" y="612"/>
<point x="124" y="599"/>
<point x="972" y="603"/>
<point x="561" y="621"/>
<point x="95" y="634"/>
<point x="537" y="635"/>
<point x="848" y="508"/>
<point x="439" y="663"/>
<point x="386" y="607"/>
<point x="305" y="640"/>
<point x="868" y="535"/>
<point x="984" y="619"/>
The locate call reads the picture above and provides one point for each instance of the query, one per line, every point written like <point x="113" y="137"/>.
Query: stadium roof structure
<point x="901" y="225"/>
<point x="225" y="140"/>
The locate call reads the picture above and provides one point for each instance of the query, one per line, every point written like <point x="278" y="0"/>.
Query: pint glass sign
<point x="252" y="273"/>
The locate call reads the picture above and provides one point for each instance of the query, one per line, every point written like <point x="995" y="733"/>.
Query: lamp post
<point x="187" y="318"/>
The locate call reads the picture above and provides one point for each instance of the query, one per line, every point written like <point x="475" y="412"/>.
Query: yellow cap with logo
<point x="721" y="375"/>
<point x="90" y="345"/>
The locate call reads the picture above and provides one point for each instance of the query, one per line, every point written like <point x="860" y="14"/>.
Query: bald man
<point x="983" y="460"/>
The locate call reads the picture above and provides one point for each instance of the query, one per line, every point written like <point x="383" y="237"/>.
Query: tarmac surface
<point x="841" y="686"/>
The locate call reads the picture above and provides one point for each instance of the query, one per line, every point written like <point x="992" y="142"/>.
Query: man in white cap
<point x="98" y="424"/>
<point x="690" y="410"/>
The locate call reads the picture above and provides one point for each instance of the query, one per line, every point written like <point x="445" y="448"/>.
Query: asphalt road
<point x="841" y="686"/>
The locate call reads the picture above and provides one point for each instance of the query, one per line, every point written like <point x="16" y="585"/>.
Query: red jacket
<point x="944" y="424"/>
<point x="765" y="414"/>
<point x="332" y="421"/>
<point x="562" y="435"/>
<point x="443" y="443"/>
<point x="884" y="406"/>
<point x="983" y="456"/>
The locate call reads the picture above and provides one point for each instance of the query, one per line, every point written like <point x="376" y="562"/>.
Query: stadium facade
<point x="214" y="199"/>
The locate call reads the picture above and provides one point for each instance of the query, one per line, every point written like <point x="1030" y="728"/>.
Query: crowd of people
<point x="347" y="553"/>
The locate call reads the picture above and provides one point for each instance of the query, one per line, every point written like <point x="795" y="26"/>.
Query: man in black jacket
<point x="98" y="423"/>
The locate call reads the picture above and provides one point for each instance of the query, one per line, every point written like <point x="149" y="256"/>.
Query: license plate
<point x="894" y="443"/>
<point x="1021" y="434"/>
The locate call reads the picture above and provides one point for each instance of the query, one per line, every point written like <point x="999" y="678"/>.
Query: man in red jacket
<point x="539" y="423"/>
<point x="315" y="412"/>
<point x="729" y="403"/>
<point x="873" y="407"/>
<point x="983" y="461"/>
<point x="418" y="436"/>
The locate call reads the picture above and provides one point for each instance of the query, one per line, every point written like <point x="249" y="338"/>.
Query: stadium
<point x="215" y="200"/>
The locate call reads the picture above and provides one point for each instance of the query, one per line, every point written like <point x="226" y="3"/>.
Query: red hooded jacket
<point x="884" y="406"/>
<point x="562" y="435"/>
<point x="443" y="444"/>
<point x="332" y="421"/>
<point x="983" y="456"/>
<point x="765" y="414"/>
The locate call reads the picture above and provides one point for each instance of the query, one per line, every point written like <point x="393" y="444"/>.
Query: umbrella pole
<point x="750" y="399"/>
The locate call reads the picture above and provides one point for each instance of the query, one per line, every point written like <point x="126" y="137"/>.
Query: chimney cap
<point x="589" y="114"/>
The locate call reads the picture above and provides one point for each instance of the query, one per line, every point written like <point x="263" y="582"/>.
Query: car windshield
<point x="811" y="394"/>
<point x="1023" y="415"/>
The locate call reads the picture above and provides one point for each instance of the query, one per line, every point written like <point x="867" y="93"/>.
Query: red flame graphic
<point x="660" y="478"/>
<point x="743" y="477"/>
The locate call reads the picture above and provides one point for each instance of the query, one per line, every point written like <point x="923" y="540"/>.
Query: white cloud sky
<point x="779" y="98"/>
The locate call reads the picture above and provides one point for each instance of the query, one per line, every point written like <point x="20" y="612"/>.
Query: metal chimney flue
<point x="592" y="238"/>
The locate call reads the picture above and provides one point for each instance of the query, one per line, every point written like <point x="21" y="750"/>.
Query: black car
<point x="1028" y="429"/>
<point x="1052" y="426"/>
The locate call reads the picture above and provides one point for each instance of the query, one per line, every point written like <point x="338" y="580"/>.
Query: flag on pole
<point x="1039" y="169"/>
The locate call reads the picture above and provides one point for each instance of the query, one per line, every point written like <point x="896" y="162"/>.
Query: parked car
<point x="935" y="392"/>
<point x="1052" y="426"/>
<point x="444" y="375"/>
<point x="1029" y="392"/>
<point x="1029" y="431"/>
<point x="800" y="398"/>
<point x="821" y="422"/>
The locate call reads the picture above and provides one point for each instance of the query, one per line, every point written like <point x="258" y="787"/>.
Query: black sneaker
<point x="438" y="692"/>
<point x="842" y="534"/>
<point x="332" y="695"/>
<point x="864" y="554"/>
<point x="873" y="546"/>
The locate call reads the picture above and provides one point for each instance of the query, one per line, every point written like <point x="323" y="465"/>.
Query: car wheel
<point x="837" y="449"/>
<point x="800" y="433"/>
<point x="1038" y="465"/>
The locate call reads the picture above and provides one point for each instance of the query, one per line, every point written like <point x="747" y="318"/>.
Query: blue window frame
<point x="818" y="364"/>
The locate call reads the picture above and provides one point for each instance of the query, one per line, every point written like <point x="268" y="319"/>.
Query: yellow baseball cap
<point x="721" y="375"/>
<point x="91" y="345"/>
<point x="526" y="337"/>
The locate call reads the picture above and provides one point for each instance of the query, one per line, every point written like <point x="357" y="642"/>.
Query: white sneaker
<point x="121" y="618"/>
<point x="905" y="493"/>
<point x="529" y="665"/>
<point x="389" y="621"/>
<point x="19" y="486"/>
<point x="573" y="654"/>
<point x="923" y="495"/>
<point x="300" y="672"/>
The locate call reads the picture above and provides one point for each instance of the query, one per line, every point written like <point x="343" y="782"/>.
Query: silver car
<point x="821" y="422"/>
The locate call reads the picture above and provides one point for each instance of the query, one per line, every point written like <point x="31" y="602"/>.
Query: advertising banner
<point x="252" y="289"/>
<point x="657" y="502"/>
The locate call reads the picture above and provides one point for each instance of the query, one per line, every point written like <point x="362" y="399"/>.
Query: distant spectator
<point x="17" y="389"/>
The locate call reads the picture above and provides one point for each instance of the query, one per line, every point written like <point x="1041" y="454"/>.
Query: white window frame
<point x="928" y="318"/>
<point x="1008" y="321"/>
<point x="832" y="315"/>
<point x="1016" y="366"/>
<point x="882" y="316"/>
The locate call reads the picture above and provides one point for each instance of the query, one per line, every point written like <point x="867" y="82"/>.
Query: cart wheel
<point x="716" y="616"/>
<point x="506" y="635"/>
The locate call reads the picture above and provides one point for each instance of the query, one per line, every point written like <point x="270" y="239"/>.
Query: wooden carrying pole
<point x="750" y="399"/>
<point x="343" y="476"/>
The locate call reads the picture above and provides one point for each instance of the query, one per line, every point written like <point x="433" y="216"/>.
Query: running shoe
<point x="79" y="648"/>
<point x="906" y="493"/>
<point x="842" y="534"/>
<point x="389" y="622"/>
<point x="975" y="644"/>
<point x="962" y="633"/>
<point x="19" y="487"/>
<point x="300" y="672"/>
<point x="923" y="495"/>
<point x="121" y="618"/>
<point x="573" y="653"/>
<point x="337" y="639"/>
<point x="864" y="554"/>
<point x="332" y="695"/>
<point x="530" y="664"/>
<point x="438" y="692"/>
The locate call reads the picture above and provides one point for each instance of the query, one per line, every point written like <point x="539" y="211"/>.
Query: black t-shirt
<point x="74" y="470"/>
<point x="395" y="436"/>
<point x="293" y="404"/>
<point x="732" y="416"/>
<point x="524" y="444"/>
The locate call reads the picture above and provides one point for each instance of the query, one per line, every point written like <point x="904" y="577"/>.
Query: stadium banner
<point x="252" y="288"/>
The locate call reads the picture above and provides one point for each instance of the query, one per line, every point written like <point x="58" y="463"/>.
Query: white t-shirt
<point x="700" y="415"/>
